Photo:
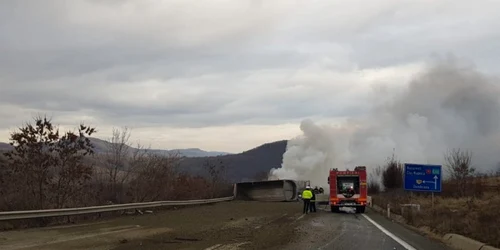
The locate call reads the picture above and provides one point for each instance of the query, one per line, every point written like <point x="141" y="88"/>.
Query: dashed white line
<point x="233" y="246"/>
<point x="300" y="217"/>
<point x="213" y="247"/>
<point x="394" y="237"/>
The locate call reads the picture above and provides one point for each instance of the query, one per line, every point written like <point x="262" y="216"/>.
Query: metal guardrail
<point x="29" y="214"/>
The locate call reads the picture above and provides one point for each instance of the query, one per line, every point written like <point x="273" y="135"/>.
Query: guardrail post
<point x="388" y="210"/>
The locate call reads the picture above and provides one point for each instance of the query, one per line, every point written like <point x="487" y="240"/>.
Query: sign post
<point x="423" y="178"/>
<point x="432" y="201"/>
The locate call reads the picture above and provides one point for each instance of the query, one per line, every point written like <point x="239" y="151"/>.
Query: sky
<point x="224" y="75"/>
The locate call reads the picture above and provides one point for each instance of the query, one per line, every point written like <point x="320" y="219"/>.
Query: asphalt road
<point x="347" y="230"/>
<point x="227" y="226"/>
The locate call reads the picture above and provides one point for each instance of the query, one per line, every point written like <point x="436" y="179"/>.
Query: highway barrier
<point x="460" y="242"/>
<point x="486" y="247"/>
<point x="29" y="214"/>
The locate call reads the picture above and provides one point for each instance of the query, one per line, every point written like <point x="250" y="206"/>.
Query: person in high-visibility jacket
<point x="312" y="201"/>
<point x="306" y="196"/>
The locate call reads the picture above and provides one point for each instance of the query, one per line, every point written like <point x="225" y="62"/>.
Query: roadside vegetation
<point x="49" y="168"/>
<point x="468" y="205"/>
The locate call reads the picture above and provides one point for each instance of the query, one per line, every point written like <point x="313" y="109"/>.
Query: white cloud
<point x="185" y="73"/>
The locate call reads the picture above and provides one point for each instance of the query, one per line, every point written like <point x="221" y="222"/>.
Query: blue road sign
<point x="422" y="177"/>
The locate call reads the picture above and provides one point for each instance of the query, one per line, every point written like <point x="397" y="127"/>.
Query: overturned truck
<point x="274" y="190"/>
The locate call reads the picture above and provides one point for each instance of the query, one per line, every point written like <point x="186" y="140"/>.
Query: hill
<point x="248" y="165"/>
<point x="5" y="146"/>
<point x="101" y="146"/>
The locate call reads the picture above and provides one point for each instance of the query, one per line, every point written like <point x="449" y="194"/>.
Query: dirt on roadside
<point x="228" y="225"/>
<point x="237" y="225"/>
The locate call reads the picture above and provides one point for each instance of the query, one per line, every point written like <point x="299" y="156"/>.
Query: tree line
<point x="466" y="205"/>
<point x="463" y="178"/>
<point x="49" y="168"/>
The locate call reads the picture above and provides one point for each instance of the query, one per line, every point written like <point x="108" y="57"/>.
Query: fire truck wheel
<point x="360" y="210"/>
<point x="335" y="209"/>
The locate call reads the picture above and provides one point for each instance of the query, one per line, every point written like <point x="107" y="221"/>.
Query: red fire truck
<point x="348" y="189"/>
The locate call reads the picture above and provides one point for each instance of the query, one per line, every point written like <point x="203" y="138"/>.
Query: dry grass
<point x="475" y="216"/>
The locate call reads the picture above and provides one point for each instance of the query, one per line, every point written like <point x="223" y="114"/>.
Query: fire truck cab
<point x="348" y="189"/>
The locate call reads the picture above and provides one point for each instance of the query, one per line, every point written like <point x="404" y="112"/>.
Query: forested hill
<point x="248" y="165"/>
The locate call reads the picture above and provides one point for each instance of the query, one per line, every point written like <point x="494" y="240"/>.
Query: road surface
<point x="347" y="230"/>
<point x="225" y="226"/>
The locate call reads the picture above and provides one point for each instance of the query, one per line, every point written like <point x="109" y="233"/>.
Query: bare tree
<point x="373" y="185"/>
<point x="115" y="161"/>
<point x="497" y="171"/>
<point x="71" y="173"/>
<point x="7" y="192"/>
<point x="137" y="173"/>
<point x="154" y="176"/>
<point x="44" y="165"/>
<point x="458" y="165"/>
<point x="217" y="176"/>
<point x="392" y="174"/>
<point x="51" y="169"/>
<point x="191" y="187"/>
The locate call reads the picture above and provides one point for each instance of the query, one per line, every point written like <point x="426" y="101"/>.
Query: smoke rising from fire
<point x="447" y="105"/>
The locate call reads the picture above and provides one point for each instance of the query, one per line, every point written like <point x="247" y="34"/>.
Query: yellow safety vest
<point x="307" y="194"/>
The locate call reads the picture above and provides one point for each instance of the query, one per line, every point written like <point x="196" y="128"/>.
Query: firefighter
<point x="306" y="196"/>
<point x="351" y="191"/>
<point x="312" y="203"/>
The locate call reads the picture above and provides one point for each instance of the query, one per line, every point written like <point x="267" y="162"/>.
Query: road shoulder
<point x="410" y="236"/>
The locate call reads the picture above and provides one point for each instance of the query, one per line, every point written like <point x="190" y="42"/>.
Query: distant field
<point x="493" y="181"/>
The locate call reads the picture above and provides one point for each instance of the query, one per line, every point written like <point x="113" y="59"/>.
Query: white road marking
<point x="213" y="247"/>
<point x="394" y="237"/>
<point x="233" y="246"/>
<point x="300" y="217"/>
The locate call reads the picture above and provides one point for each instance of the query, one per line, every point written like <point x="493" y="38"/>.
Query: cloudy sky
<point x="223" y="75"/>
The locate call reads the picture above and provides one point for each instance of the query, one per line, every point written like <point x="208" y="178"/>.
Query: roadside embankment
<point x="466" y="224"/>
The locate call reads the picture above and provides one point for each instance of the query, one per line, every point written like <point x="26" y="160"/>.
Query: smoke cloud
<point x="447" y="105"/>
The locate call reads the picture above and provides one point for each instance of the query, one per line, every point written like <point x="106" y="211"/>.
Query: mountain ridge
<point x="100" y="146"/>
<point x="250" y="165"/>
